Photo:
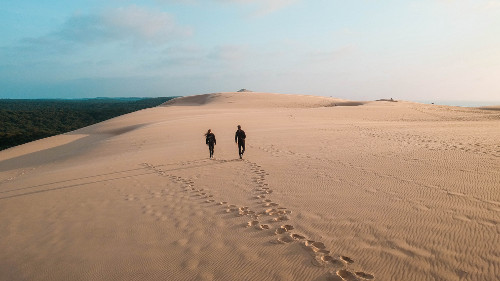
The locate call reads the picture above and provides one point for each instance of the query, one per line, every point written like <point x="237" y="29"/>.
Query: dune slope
<point x="326" y="191"/>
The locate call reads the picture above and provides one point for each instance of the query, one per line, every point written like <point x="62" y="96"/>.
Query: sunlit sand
<point x="328" y="189"/>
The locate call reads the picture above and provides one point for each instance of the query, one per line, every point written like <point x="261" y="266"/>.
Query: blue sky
<point x="357" y="49"/>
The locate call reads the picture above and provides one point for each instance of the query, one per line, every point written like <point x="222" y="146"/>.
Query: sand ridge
<point x="380" y="191"/>
<point x="260" y="100"/>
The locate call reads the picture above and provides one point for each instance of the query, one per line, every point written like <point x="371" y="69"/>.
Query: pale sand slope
<point x="386" y="190"/>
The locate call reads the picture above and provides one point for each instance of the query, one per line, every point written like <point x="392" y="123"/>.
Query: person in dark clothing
<point x="239" y="138"/>
<point x="210" y="141"/>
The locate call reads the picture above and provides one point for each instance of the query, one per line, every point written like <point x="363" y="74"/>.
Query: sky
<point x="429" y="50"/>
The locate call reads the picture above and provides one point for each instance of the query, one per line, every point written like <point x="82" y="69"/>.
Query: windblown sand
<point x="327" y="190"/>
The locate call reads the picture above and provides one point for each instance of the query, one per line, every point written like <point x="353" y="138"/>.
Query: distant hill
<point x="24" y="120"/>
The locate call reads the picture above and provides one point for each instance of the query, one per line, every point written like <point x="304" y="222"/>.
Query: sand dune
<point x="328" y="189"/>
<point x="490" y="107"/>
<point x="259" y="100"/>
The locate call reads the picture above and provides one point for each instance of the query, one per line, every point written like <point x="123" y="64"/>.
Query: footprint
<point x="271" y="204"/>
<point x="279" y="213"/>
<point x="298" y="236"/>
<point x="270" y="211"/>
<point x="252" y="223"/>
<point x="285" y="239"/>
<point x="364" y="275"/>
<point x="308" y="243"/>
<point x="318" y="245"/>
<point x="347" y="259"/>
<point x="280" y="218"/>
<point x="331" y="261"/>
<point x="346" y="275"/>
<point x="332" y="276"/>
<point x="280" y="231"/>
<point x="327" y="258"/>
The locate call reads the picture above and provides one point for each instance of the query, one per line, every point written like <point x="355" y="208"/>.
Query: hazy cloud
<point x="264" y="6"/>
<point x="112" y="34"/>
<point x="335" y="54"/>
<point x="493" y="4"/>
<point x="229" y="53"/>
<point x="131" y="23"/>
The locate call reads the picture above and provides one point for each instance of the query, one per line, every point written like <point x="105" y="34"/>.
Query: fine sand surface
<point x="328" y="190"/>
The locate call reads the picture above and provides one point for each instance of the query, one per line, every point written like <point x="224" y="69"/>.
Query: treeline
<point x="23" y="121"/>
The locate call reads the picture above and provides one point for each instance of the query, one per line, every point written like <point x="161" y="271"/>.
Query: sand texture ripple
<point x="328" y="189"/>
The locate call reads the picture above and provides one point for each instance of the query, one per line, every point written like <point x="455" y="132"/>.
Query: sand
<point x="328" y="189"/>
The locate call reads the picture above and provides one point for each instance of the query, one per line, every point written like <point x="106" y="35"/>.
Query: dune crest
<point x="262" y="100"/>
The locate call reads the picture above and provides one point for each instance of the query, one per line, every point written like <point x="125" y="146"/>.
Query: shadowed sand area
<point x="328" y="189"/>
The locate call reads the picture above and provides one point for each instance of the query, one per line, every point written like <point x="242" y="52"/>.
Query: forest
<point x="26" y="120"/>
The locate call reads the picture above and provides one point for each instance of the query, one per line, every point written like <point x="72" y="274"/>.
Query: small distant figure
<point x="239" y="138"/>
<point x="210" y="141"/>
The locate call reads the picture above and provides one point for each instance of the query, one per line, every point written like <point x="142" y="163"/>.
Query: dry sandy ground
<point x="327" y="190"/>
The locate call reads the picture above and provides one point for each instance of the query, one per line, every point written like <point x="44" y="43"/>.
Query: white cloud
<point x="131" y="25"/>
<point x="122" y="24"/>
<point x="113" y="34"/>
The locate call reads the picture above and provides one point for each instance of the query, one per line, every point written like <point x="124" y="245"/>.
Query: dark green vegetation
<point x="22" y="121"/>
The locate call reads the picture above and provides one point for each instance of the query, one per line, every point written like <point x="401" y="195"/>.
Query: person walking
<point x="239" y="138"/>
<point x="210" y="141"/>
